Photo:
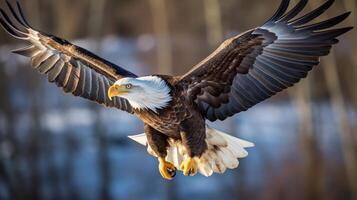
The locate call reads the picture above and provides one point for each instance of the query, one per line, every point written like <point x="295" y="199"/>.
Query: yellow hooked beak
<point x="116" y="90"/>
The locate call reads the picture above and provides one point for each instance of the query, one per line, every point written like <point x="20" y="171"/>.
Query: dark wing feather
<point x="72" y="68"/>
<point x="259" y="63"/>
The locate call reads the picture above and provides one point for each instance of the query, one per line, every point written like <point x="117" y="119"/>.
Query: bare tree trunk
<point x="71" y="148"/>
<point x="97" y="10"/>
<point x="34" y="146"/>
<point x="5" y="180"/>
<point x="52" y="173"/>
<point x="161" y="27"/>
<point x="341" y="115"/>
<point x="213" y="22"/>
<point x="35" y="13"/>
<point x="352" y="6"/>
<point x="338" y="104"/>
<point x="66" y="9"/>
<point x="104" y="163"/>
<point x="309" y="144"/>
<point x="34" y="188"/>
<point x="12" y="176"/>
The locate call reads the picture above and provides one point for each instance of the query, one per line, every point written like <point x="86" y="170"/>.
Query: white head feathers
<point x="148" y="92"/>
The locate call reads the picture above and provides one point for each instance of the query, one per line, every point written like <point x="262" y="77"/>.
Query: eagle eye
<point x="128" y="86"/>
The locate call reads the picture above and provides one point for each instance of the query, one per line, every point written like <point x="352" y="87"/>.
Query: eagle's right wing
<point x="72" y="68"/>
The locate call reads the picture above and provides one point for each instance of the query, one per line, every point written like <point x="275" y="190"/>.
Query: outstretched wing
<point x="257" y="64"/>
<point x="72" y="68"/>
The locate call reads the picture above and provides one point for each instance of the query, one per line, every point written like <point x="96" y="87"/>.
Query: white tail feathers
<point x="223" y="152"/>
<point x="141" y="138"/>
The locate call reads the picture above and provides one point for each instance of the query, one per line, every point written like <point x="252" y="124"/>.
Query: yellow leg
<point x="189" y="167"/>
<point x="167" y="169"/>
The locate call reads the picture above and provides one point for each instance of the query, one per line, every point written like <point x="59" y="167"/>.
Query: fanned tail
<point x="223" y="152"/>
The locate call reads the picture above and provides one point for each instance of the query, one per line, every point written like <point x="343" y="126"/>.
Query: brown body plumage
<point x="242" y="72"/>
<point x="181" y="120"/>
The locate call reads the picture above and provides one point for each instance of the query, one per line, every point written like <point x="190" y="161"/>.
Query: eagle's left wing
<point x="72" y="68"/>
<point x="259" y="63"/>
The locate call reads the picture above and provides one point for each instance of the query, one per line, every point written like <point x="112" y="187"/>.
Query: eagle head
<point x="148" y="92"/>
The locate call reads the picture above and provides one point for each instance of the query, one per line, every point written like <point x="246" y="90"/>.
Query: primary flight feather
<point x="243" y="71"/>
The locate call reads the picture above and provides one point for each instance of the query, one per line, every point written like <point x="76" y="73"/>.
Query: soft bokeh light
<point x="56" y="146"/>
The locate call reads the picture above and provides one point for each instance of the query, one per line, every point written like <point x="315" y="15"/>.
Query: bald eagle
<point x="243" y="71"/>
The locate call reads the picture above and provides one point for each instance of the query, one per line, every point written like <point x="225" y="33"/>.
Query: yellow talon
<point x="167" y="169"/>
<point x="189" y="167"/>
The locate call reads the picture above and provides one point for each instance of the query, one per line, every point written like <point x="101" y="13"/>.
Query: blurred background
<point x="55" y="146"/>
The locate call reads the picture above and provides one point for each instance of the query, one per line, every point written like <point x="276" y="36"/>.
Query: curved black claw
<point x="167" y="169"/>
<point x="172" y="172"/>
<point x="190" y="172"/>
